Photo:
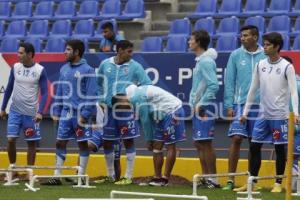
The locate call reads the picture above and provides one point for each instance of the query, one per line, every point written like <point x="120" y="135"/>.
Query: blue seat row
<point x="67" y="10"/>
<point x="207" y="8"/>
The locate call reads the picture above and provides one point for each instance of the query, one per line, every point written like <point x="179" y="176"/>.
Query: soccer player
<point x="110" y="38"/>
<point x="275" y="78"/>
<point x="165" y="117"/>
<point x="96" y="142"/>
<point x="25" y="80"/>
<point x="114" y="75"/>
<point x="237" y="83"/>
<point x="75" y="101"/>
<point x="202" y="98"/>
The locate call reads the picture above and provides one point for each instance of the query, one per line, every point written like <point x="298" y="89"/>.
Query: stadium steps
<point x="136" y="45"/>
<point x="188" y="1"/>
<point x="172" y="16"/>
<point x="131" y="29"/>
<point x="160" y="25"/>
<point x="153" y="33"/>
<point x="159" y="10"/>
<point x="187" y="7"/>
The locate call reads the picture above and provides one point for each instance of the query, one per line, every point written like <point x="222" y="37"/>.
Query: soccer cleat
<point x="212" y="185"/>
<point x="244" y="188"/>
<point x="52" y="181"/>
<point x="159" y="182"/>
<point x="276" y="188"/>
<point x="202" y="183"/>
<point x="228" y="186"/>
<point x="124" y="181"/>
<point x="107" y="179"/>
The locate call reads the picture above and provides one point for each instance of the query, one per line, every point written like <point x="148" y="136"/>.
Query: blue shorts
<point x="171" y="129"/>
<point x="126" y="127"/>
<point x="245" y="130"/>
<point x="18" y="122"/>
<point x="97" y="140"/>
<point x="270" y="131"/>
<point x="204" y="129"/>
<point x="297" y="144"/>
<point x="69" y="129"/>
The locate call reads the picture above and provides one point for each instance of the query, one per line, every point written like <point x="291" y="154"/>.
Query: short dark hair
<point x="108" y="25"/>
<point x="288" y="59"/>
<point x="124" y="44"/>
<point x="28" y="48"/>
<point x="253" y="29"/>
<point x="76" y="45"/>
<point x="202" y="38"/>
<point x="274" y="38"/>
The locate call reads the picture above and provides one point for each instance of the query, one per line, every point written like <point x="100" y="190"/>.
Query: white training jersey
<point x="161" y="100"/>
<point x="277" y="82"/>
<point x="26" y="88"/>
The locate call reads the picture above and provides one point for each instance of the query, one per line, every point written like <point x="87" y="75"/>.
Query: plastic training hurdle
<point x="250" y="193"/>
<point x="176" y="196"/>
<point x="196" y="178"/>
<point x="9" y="177"/>
<point x="100" y="199"/>
<point x="33" y="178"/>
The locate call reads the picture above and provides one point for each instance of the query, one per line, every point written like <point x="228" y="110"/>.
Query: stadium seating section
<point x="49" y="23"/>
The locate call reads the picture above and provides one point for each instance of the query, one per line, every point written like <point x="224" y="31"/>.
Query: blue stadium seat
<point x="84" y="29"/>
<point x="280" y="24"/>
<point x="9" y="45"/>
<point x="286" y="42"/>
<point x="226" y="43"/>
<point x="205" y="8"/>
<point x="296" y="45"/>
<point x="88" y="9"/>
<point x="98" y="32"/>
<point x="61" y="28"/>
<point x="207" y="24"/>
<point x="1" y="28"/>
<point x="16" y="29"/>
<point x="55" y="44"/>
<point x="181" y="27"/>
<point x="296" y="30"/>
<point x="44" y="10"/>
<point x="296" y="9"/>
<point x="133" y="9"/>
<point x="65" y="10"/>
<point x="177" y="44"/>
<point x="39" y="28"/>
<point x="110" y="9"/>
<point x="152" y="44"/>
<point x="36" y="42"/>
<point x="229" y="25"/>
<point x="254" y="7"/>
<point x="230" y="7"/>
<point x="86" y="44"/>
<point x="23" y="10"/>
<point x="257" y="21"/>
<point x="278" y="7"/>
<point x="5" y="10"/>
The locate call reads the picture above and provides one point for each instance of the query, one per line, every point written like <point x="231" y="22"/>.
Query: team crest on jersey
<point x="108" y="69"/>
<point x="276" y="134"/>
<point x="125" y="70"/>
<point x="263" y="69"/>
<point x="29" y="132"/>
<point x="278" y="71"/>
<point x="243" y="62"/>
<point x="124" y="130"/>
<point x="298" y="148"/>
<point x="77" y="74"/>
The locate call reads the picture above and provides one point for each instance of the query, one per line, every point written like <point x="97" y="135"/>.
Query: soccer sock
<point x="83" y="160"/>
<point x="280" y="161"/>
<point x="60" y="159"/>
<point x="130" y="156"/>
<point x="255" y="151"/>
<point x="295" y="172"/>
<point x="109" y="158"/>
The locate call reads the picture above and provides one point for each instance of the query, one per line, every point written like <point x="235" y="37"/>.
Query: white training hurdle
<point x="100" y="199"/>
<point x="176" y="196"/>
<point x="249" y="191"/>
<point x="196" y="178"/>
<point x="9" y="176"/>
<point x="33" y="178"/>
